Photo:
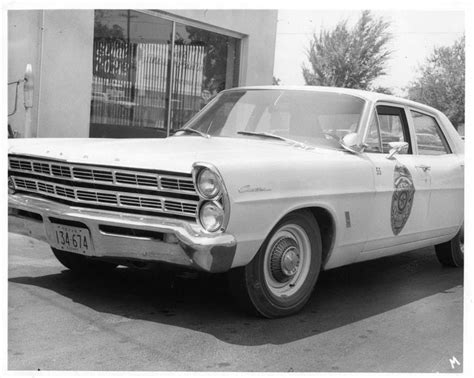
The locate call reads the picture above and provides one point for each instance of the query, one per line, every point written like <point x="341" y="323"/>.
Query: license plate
<point x="71" y="239"/>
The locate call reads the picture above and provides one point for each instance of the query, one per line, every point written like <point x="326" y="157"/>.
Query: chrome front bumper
<point x="167" y="240"/>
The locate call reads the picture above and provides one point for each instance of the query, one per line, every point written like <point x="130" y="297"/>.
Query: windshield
<point x="312" y="118"/>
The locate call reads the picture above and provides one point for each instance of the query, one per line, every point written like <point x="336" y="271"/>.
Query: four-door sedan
<point x="269" y="184"/>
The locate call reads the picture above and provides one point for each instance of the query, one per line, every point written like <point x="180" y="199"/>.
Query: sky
<point x="415" y="34"/>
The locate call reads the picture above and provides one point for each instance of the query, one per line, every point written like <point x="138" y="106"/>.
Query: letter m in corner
<point x="454" y="361"/>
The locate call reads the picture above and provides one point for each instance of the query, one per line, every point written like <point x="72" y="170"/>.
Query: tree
<point x="440" y="82"/>
<point x="383" y="90"/>
<point x="350" y="58"/>
<point x="103" y="31"/>
<point x="215" y="57"/>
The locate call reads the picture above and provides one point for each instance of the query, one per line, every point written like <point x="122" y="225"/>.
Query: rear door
<point x="446" y="203"/>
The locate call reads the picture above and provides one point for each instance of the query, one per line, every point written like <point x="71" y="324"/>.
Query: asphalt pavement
<point x="397" y="314"/>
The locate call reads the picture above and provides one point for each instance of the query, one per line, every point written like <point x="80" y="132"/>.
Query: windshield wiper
<point x="194" y="131"/>
<point x="274" y="136"/>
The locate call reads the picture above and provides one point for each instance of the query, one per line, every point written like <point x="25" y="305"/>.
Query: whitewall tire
<point x="279" y="280"/>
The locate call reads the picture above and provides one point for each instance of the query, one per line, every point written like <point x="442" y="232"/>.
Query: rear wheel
<point x="279" y="280"/>
<point x="82" y="264"/>
<point x="451" y="253"/>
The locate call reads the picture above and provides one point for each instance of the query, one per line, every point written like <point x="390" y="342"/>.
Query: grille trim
<point x="104" y="186"/>
<point x="130" y="178"/>
<point x="120" y="200"/>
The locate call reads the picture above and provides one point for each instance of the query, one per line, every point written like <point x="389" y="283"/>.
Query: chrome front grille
<point x="21" y="165"/>
<point x="104" y="175"/>
<point x="60" y="171"/>
<point x="92" y="174"/>
<point x="104" y="186"/>
<point x="136" y="179"/>
<point x="177" y="184"/>
<point x="41" y="168"/>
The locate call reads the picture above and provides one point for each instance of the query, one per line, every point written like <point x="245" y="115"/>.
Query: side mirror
<point x="396" y="148"/>
<point x="350" y="143"/>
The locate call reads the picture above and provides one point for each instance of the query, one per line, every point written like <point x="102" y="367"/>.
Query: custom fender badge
<point x="253" y="189"/>
<point x="402" y="198"/>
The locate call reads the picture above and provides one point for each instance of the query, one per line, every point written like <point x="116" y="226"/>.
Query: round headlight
<point x="208" y="184"/>
<point x="211" y="216"/>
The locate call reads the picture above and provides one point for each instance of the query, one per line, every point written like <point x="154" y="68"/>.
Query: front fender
<point x="263" y="194"/>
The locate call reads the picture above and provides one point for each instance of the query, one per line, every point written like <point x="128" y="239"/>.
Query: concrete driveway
<point x="397" y="314"/>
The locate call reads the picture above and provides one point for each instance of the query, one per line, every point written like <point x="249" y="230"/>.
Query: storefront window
<point x="143" y="84"/>
<point x="130" y="72"/>
<point x="205" y="63"/>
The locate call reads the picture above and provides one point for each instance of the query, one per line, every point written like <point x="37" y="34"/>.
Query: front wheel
<point x="279" y="280"/>
<point x="82" y="264"/>
<point x="451" y="253"/>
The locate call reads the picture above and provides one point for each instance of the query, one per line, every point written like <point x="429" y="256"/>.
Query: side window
<point x="429" y="138"/>
<point x="393" y="126"/>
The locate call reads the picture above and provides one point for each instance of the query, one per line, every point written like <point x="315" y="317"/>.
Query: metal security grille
<point x="120" y="189"/>
<point x="137" y="97"/>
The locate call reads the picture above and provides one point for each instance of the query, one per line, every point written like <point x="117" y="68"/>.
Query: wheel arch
<point x="327" y="227"/>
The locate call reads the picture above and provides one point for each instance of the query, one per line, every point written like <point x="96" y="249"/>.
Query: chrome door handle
<point x="425" y="168"/>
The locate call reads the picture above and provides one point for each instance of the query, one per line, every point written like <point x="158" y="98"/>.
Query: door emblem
<point x="402" y="198"/>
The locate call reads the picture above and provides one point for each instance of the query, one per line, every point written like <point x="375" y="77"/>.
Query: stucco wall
<point x="258" y="48"/>
<point x="66" y="73"/>
<point x="24" y="45"/>
<point x="58" y="44"/>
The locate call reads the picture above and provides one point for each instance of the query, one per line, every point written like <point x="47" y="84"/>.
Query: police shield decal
<point x="402" y="198"/>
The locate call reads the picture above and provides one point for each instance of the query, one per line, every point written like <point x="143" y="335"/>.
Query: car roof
<point x="366" y="95"/>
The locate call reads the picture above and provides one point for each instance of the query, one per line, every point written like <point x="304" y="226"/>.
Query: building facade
<point x="132" y="73"/>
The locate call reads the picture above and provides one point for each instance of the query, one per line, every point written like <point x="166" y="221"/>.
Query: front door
<point x="402" y="184"/>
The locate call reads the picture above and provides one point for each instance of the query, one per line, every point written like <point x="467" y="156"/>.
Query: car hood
<point x="175" y="154"/>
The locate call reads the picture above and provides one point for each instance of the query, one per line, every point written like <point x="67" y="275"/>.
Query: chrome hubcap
<point x="290" y="262"/>
<point x="461" y="240"/>
<point x="284" y="259"/>
<point x="287" y="259"/>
